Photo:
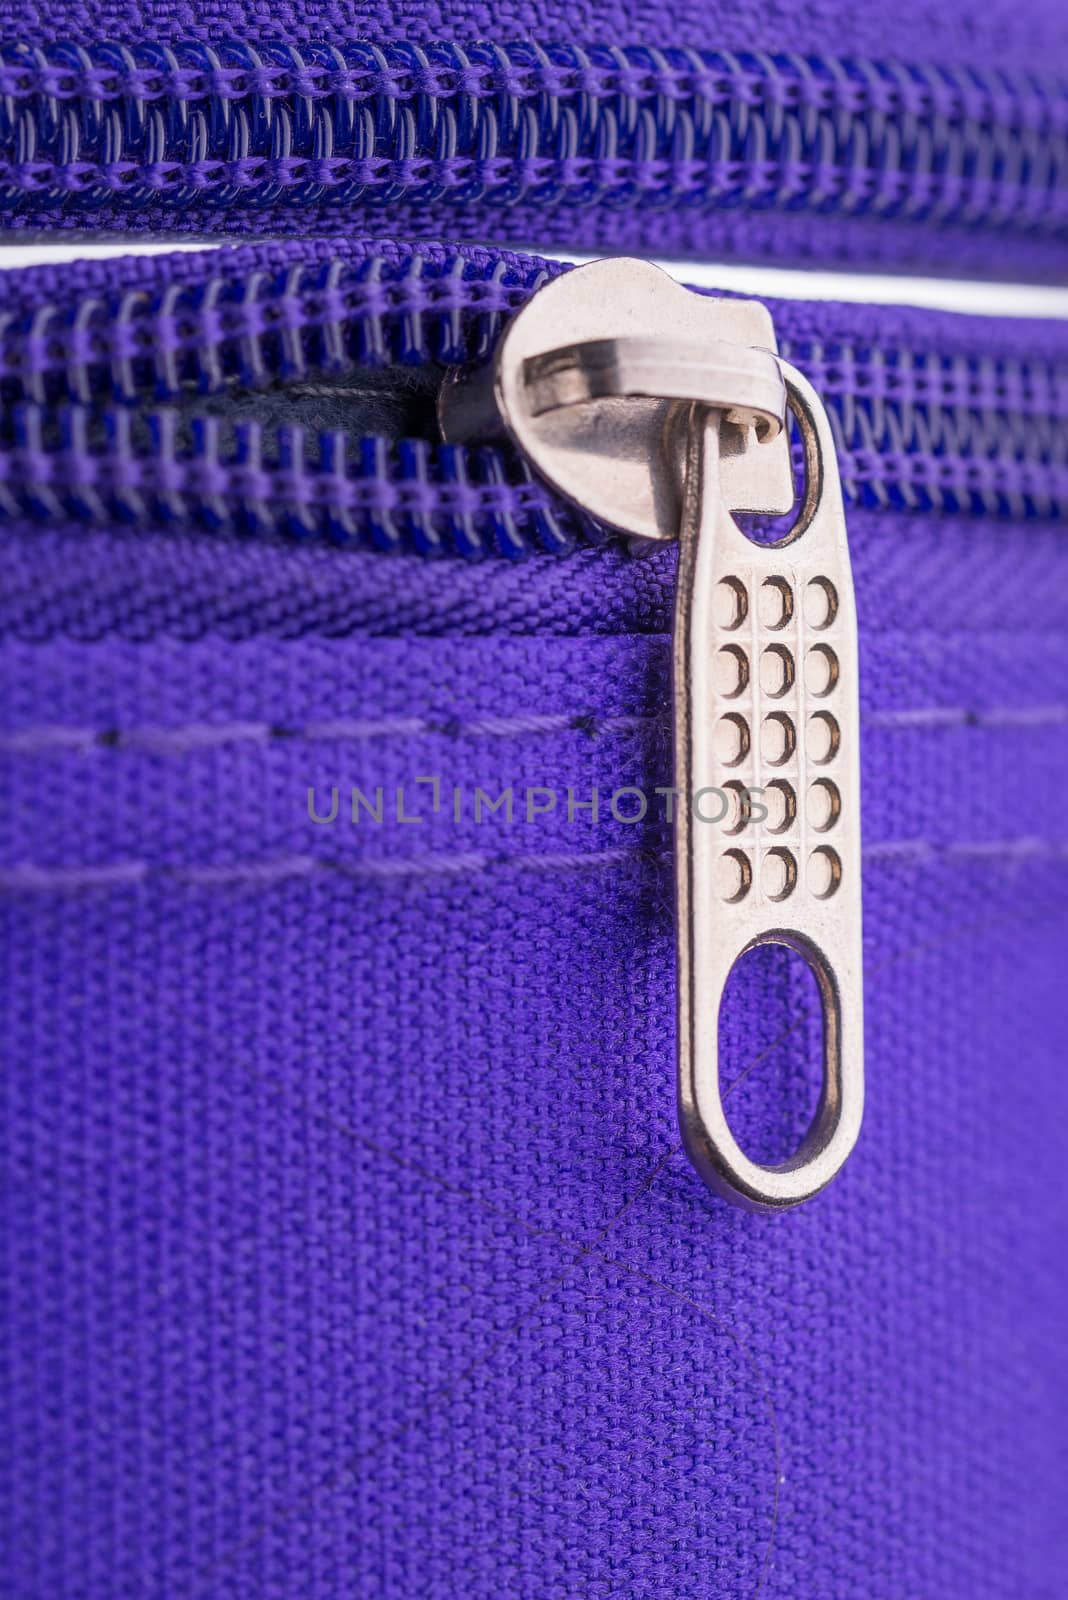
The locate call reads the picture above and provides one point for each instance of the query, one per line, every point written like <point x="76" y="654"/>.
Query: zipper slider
<point x="660" y="412"/>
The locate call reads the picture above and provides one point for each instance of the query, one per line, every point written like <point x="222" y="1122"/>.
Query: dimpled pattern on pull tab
<point x="756" y="652"/>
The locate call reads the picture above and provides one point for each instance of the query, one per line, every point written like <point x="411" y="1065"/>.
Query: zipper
<point x="145" y="401"/>
<point x="661" y="414"/>
<point x="193" y="126"/>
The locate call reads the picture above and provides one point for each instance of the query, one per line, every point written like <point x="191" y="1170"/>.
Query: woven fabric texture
<point x="347" y="1244"/>
<point x="347" y="1247"/>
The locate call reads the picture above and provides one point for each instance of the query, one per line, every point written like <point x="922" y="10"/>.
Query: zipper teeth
<point x="914" y="429"/>
<point x="440" y="307"/>
<point x="263" y="327"/>
<point x="410" y="495"/>
<point x="430" y="499"/>
<point x="199" y="123"/>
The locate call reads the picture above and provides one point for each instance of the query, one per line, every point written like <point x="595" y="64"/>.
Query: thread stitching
<point x="197" y="736"/>
<point x="28" y="878"/>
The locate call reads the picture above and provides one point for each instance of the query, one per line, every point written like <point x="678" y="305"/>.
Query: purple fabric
<point x="348" y="1248"/>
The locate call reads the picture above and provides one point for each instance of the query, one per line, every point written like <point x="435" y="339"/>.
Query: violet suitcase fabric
<point x="348" y="1247"/>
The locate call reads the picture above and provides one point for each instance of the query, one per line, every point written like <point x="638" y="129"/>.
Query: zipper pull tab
<point x="661" y="412"/>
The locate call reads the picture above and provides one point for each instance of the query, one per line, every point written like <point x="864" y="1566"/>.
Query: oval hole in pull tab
<point x="771" y="1048"/>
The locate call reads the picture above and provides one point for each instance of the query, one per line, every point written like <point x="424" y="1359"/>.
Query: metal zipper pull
<point x="661" y="412"/>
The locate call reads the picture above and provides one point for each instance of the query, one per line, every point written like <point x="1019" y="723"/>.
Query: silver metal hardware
<point x="661" y="412"/>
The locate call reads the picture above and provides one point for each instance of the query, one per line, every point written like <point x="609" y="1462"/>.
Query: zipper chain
<point x="197" y="124"/>
<point x="90" y="367"/>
